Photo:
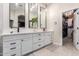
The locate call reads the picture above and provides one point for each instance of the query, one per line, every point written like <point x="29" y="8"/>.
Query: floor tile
<point x="54" y="50"/>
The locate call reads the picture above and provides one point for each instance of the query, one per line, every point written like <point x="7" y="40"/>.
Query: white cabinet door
<point x="76" y="29"/>
<point x="26" y="46"/>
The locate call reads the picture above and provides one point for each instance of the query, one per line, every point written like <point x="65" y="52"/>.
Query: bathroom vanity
<point x="24" y="43"/>
<point x="23" y="28"/>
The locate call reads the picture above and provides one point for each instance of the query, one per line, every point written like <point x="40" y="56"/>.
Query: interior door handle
<point x="77" y="27"/>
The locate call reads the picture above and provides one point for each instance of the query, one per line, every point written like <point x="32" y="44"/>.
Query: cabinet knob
<point x="77" y="43"/>
<point x="39" y="45"/>
<point x="39" y="39"/>
<point x="77" y="27"/>
<point x="39" y="34"/>
<point x="21" y="40"/>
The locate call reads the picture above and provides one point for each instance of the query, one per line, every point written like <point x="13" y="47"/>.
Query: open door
<point x="76" y="29"/>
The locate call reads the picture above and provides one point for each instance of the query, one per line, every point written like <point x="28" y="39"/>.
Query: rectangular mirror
<point x="43" y="15"/>
<point x="17" y="15"/>
<point x="33" y="15"/>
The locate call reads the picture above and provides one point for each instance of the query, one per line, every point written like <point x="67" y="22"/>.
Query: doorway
<point x="68" y="26"/>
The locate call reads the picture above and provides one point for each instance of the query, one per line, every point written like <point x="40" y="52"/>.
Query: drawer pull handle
<point x="39" y="34"/>
<point x="13" y="55"/>
<point x="12" y="48"/>
<point x="12" y="43"/>
<point x="39" y="39"/>
<point x="21" y="40"/>
<point x="39" y="45"/>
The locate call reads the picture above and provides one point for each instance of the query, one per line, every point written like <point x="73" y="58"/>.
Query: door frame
<point x="62" y="22"/>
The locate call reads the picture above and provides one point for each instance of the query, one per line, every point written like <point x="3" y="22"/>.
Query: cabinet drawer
<point x="15" y="53"/>
<point x="48" y="34"/>
<point x="35" y="40"/>
<point x="8" y="38"/>
<point x="14" y="37"/>
<point x="11" y="43"/>
<point x="47" y="37"/>
<point x="25" y="36"/>
<point x="26" y="39"/>
<point x="47" y="41"/>
<point x="11" y="49"/>
<point x="38" y="45"/>
<point x="36" y="35"/>
<point x="11" y="46"/>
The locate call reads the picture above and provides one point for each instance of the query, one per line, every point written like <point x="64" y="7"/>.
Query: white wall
<point x="55" y="16"/>
<point x="5" y="17"/>
<point x="1" y="15"/>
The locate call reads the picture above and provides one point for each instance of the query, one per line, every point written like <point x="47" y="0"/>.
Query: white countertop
<point x="18" y="33"/>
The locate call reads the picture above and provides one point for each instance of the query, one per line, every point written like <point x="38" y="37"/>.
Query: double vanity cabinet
<point x="17" y="18"/>
<point x="22" y="44"/>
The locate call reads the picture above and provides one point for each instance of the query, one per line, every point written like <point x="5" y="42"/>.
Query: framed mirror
<point x="43" y="15"/>
<point x="33" y="15"/>
<point x="17" y="15"/>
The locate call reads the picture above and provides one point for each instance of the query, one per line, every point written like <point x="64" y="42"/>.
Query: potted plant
<point x="34" y="21"/>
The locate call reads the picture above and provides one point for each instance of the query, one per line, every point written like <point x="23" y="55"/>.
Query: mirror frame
<point x="29" y="16"/>
<point x="17" y="21"/>
<point x="45" y="20"/>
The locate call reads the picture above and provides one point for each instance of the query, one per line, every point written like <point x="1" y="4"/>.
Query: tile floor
<point x="54" y="50"/>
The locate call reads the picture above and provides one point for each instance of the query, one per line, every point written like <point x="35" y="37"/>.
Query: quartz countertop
<point x="28" y="32"/>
